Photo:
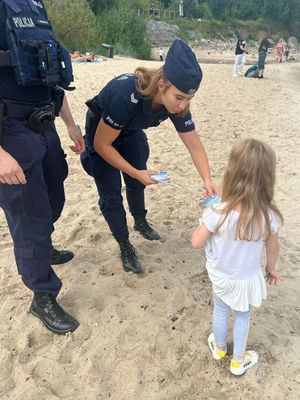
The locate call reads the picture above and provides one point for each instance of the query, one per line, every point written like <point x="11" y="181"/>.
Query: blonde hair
<point x="147" y="80"/>
<point x="147" y="83"/>
<point x="248" y="183"/>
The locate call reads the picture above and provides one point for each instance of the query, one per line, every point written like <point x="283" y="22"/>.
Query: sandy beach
<point x="145" y="337"/>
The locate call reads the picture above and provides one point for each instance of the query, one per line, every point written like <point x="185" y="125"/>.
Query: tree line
<point x="284" y="13"/>
<point x="85" y="24"/>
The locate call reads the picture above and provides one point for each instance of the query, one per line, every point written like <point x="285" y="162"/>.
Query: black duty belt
<point x="20" y="111"/>
<point x="38" y="118"/>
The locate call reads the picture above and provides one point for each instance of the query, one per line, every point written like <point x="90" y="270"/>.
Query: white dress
<point x="234" y="266"/>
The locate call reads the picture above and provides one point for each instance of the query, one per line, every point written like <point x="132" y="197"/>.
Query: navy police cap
<point x="181" y="68"/>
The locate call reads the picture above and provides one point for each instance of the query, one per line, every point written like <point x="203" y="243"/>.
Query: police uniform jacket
<point x="9" y="88"/>
<point x="123" y="108"/>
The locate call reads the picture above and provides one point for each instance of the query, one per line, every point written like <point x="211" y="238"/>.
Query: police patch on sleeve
<point x="183" y="124"/>
<point x="109" y="121"/>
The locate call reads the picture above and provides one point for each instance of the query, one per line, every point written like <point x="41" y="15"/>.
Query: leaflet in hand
<point x="210" y="201"/>
<point x="162" y="177"/>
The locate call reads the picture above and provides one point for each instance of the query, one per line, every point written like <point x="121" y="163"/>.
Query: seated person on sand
<point x="252" y="72"/>
<point x="76" y="56"/>
<point x="88" y="57"/>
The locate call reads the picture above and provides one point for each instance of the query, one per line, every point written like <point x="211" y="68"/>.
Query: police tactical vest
<point x="34" y="54"/>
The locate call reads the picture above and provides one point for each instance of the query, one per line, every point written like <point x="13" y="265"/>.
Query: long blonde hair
<point x="248" y="183"/>
<point x="147" y="83"/>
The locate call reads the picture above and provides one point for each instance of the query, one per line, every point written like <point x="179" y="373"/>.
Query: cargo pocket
<point x="12" y="197"/>
<point x="61" y="166"/>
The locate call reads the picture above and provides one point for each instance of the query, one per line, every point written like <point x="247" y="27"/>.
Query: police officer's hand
<point x="210" y="189"/>
<point x="76" y="135"/>
<point x="144" y="177"/>
<point x="10" y="171"/>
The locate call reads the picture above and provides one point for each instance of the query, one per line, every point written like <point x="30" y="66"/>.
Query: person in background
<point x="262" y="53"/>
<point x="78" y="57"/>
<point x="235" y="232"/>
<point x="286" y="53"/>
<point x="241" y="52"/>
<point x="252" y="72"/>
<point x="89" y="56"/>
<point x="152" y="10"/>
<point x="161" y="54"/>
<point x="279" y="50"/>
<point x="32" y="163"/>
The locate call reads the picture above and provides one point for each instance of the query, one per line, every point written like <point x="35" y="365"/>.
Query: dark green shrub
<point x="121" y="28"/>
<point x="74" y="23"/>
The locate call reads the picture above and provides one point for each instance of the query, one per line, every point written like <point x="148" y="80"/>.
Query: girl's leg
<point x="220" y="323"/>
<point x="242" y="360"/>
<point x="240" y="334"/>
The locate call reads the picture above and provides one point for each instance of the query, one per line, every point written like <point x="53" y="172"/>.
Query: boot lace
<point x="128" y="249"/>
<point x="53" y="308"/>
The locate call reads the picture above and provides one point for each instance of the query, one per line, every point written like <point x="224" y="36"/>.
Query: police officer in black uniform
<point x="115" y="139"/>
<point x="32" y="163"/>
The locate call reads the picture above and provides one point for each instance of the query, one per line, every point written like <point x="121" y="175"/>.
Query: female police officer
<point x="116" y="142"/>
<point x="32" y="162"/>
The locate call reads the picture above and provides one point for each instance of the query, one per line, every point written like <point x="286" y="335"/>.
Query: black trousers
<point x="32" y="209"/>
<point x="134" y="148"/>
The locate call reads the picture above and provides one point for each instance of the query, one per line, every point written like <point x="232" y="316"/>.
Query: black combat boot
<point x="141" y="225"/>
<point x="45" y="307"/>
<point x="129" y="258"/>
<point x="61" y="256"/>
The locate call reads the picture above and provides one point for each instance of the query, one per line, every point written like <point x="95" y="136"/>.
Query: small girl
<point x="235" y="232"/>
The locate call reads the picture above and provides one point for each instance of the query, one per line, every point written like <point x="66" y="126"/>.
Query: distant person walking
<point x="286" y="52"/>
<point x="279" y="50"/>
<point x="152" y="10"/>
<point x="262" y="53"/>
<point x="161" y="54"/>
<point x="241" y="52"/>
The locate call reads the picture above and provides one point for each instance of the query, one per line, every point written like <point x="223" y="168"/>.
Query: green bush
<point x="205" y="11"/>
<point x="74" y="23"/>
<point x="121" y="28"/>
